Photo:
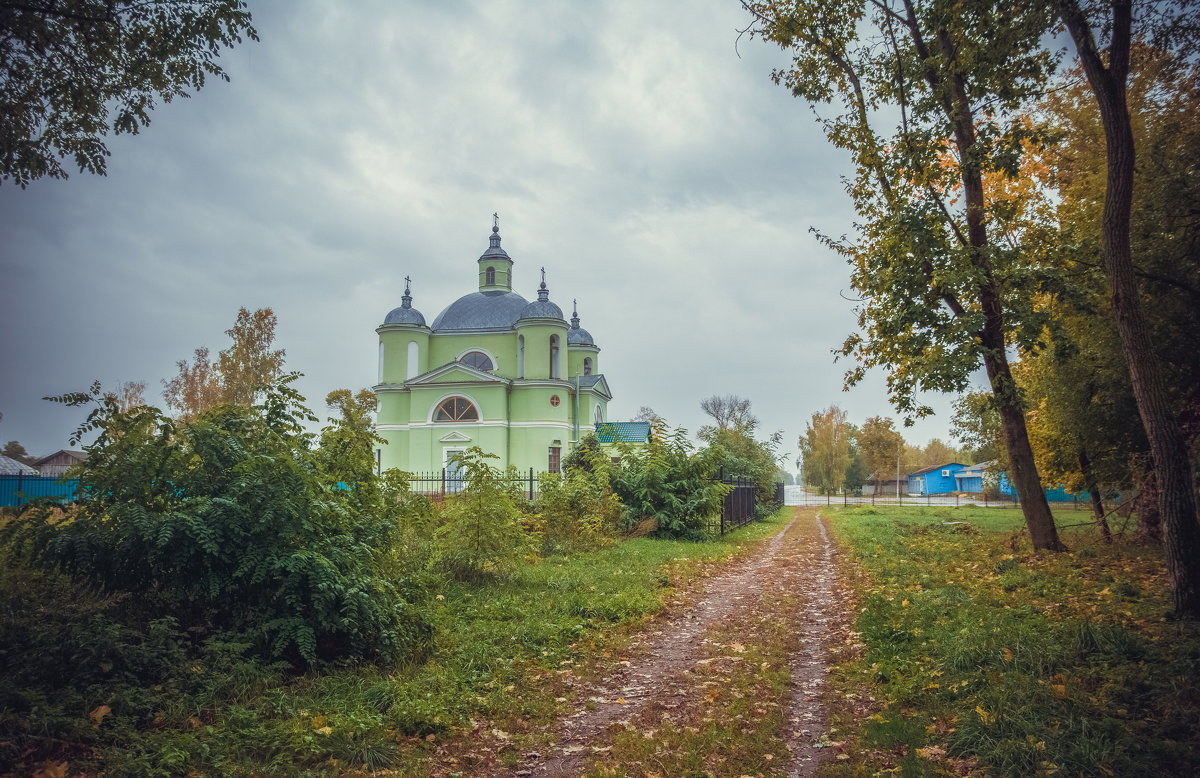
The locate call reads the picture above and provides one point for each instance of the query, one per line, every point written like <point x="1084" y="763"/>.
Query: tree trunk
<point x="1089" y="483"/>
<point x="993" y="347"/>
<point x="1022" y="468"/>
<point x="1149" y="515"/>
<point x="1176" y="502"/>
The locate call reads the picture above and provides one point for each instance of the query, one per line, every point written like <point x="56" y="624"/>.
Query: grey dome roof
<point x="578" y="335"/>
<point x="542" y="309"/>
<point x="405" y="314"/>
<point x="494" y="309"/>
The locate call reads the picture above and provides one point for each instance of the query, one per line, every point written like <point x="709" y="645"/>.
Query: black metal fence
<point x="738" y="510"/>
<point x="437" y="485"/>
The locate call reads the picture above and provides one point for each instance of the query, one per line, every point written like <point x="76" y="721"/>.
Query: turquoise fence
<point x="18" y="490"/>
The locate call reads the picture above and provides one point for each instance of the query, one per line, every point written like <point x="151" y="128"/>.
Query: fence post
<point x="443" y="483"/>
<point x="531" y="484"/>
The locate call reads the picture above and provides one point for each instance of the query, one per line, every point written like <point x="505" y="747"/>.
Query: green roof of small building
<point x="624" y="431"/>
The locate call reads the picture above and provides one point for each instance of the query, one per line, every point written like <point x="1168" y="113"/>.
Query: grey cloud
<point x="664" y="182"/>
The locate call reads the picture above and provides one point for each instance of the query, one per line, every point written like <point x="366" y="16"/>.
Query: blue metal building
<point x="939" y="479"/>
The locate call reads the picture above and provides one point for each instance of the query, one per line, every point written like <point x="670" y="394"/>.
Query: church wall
<point x="537" y="349"/>
<point x="394" y="454"/>
<point x="532" y="403"/>
<point x="393" y="407"/>
<point x="446" y="347"/>
<point x="530" y="446"/>
<point x="575" y="358"/>
<point x="427" y="448"/>
<point x="503" y="274"/>
<point x="587" y="411"/>
<point x="491" y="400"/>
<point x="396" y="351"/>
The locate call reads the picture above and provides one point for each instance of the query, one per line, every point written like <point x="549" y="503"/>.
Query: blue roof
<point x="626" y="431"/>
<point x="932" y="468"/>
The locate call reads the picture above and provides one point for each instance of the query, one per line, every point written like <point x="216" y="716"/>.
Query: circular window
<point x="554" y="400"/>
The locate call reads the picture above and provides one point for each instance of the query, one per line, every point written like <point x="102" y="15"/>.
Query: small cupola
<point x="542" y="308"/>
<point x="495" y="266"/>
<point x="405" y="314"/>
<point x="577" y="336"/>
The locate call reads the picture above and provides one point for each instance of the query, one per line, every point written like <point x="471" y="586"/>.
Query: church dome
<point x="539" y="309"/>
<point x="405" y="314"/>
<point x="542" y="308"/>
<point x="578" y="335"/>
<point x="493" y="309"/>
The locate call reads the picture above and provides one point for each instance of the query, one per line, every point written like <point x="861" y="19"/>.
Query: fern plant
<point x="578" y="509"/>
<point x="231" y="522"/>
<point x="668" y="480"/>
<point x="482" y="536"/>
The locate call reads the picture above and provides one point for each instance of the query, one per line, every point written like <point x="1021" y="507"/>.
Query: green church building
<point x="494" y="370"/>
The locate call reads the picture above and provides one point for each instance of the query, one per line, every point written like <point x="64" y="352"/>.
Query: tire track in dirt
<point x="673" y="647"/>
<point x="805" y="716"/>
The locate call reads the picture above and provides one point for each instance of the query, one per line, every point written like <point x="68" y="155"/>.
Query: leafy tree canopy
<point x="230" y="523"/>
<point x="826" y="446"/>
<point x="239" y="374"/>
<point x="74" y="69"/>
<point x="14" y="450"/>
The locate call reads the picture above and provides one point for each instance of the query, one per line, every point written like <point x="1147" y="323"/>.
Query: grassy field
<point x="80" y="691"/>
<point x="978" y="656"/>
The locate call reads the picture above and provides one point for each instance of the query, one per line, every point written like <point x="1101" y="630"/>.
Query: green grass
<point x="982" y="654"/>
<point x="502" y="651"/>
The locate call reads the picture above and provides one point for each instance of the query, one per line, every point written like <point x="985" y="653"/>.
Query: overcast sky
<point x="663" y="181"/>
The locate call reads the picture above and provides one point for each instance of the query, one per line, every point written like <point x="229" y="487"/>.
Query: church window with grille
<point x="477" y="360"/>
<point x="456" y="409"/>
<point x="491" y="276"/>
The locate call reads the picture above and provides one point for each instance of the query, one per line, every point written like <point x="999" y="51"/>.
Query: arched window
<point x="414" y="354"/>
<point x="520" y="356"/>
<point x="599" y="415"/>
<point x="554" y="356"/>
<point x="477" y="360"/>
<point x="490" y="276"/>
<point x="456" y="409"/>
<point x="587" y="365"/>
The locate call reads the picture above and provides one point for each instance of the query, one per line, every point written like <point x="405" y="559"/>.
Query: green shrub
<point x="577" y="509"/>
<point x="668" y="480"/>
<point x="234" y="523"/>
<point x="481" y="536"/>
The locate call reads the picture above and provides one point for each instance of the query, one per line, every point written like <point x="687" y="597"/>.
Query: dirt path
<point x="821" y="623"/>
<point x="668" y="661"/>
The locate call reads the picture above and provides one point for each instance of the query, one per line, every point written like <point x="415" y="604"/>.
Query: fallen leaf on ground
<point x="932" y="753"/>
<point x="98" y="713"/>
<point x="51" y="770"/>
